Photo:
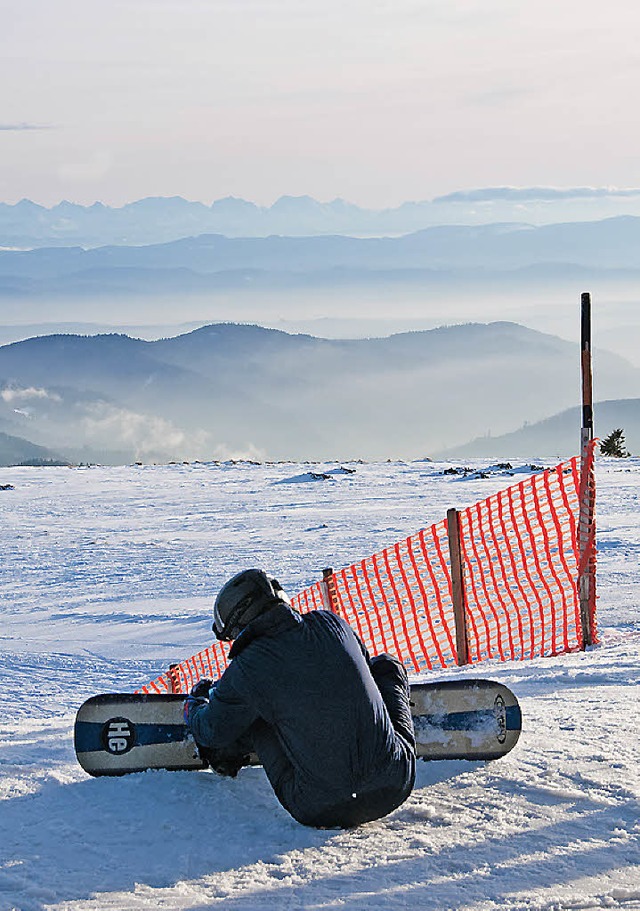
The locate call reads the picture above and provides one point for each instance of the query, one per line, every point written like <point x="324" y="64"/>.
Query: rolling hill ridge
<point x="229" y="390"/>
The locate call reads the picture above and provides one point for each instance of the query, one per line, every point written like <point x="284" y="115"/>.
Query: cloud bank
<point x="21" y="127"/>
<point x="14" y="394"/>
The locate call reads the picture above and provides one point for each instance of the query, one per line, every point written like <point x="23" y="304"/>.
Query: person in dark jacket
<point x="331" y="726"/>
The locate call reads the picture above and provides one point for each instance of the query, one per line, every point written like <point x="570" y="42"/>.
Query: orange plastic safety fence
<point x="520" y="558"/>
<point x="210" y="662"/>
<point x="399" y="600"/>
<point x="520" y="552"/>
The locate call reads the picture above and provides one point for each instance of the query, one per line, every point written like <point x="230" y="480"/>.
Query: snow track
<point x="107" y="576"/>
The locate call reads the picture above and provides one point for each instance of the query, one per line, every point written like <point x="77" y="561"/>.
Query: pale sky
<point x="375" y="101"/>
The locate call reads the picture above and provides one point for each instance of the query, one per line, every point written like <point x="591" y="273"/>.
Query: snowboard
<point x="118" y="733"/>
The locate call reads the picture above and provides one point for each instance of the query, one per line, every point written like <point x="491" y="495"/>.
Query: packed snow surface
<point x="108" y="575"/>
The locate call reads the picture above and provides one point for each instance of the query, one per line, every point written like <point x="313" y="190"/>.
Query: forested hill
<point x="243" y="391"/>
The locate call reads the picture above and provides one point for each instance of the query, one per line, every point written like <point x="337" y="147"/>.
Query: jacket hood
<point x="276" y="620"/>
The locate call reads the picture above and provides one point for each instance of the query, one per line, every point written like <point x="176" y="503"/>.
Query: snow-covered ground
<point x="107" y="576"/>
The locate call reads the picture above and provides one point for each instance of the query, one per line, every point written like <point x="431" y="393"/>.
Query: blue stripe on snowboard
<point x="88" y="735"/>
<point x="475" y="720"/>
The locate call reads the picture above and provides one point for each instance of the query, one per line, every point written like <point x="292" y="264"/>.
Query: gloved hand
<point x="191" y="703"/>
<point x="223" y="762"/>
<point x="202" y="687"/>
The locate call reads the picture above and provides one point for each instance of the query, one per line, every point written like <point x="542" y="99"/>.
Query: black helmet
<point x="242" y="599"/>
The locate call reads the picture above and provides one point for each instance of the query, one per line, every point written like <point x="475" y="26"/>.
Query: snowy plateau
<point x="108" y="575"/>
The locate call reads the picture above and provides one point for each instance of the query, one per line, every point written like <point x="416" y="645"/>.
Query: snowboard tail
<point x="119" y="733"/>
<point x="464" y="719"/>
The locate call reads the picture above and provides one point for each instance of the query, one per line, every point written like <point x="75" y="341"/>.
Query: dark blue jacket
<point x="302" y="687"/>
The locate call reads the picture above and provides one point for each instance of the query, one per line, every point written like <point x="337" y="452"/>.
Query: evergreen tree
<point x="614" y="445"/>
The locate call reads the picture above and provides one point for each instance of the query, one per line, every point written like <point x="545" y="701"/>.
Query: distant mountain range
<point x="160" y="219"/>
<point x="229" y="390"/>
<point x="438" y="257"/>
<point x="556" y="435"/>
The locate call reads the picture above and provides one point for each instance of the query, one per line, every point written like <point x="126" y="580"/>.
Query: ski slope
<point x="107" y="576"/>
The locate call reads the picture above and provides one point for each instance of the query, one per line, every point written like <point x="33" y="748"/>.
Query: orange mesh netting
<point x="523" y="550"/>
<point x="399" y="600"/>
<point x="519" y="550"/>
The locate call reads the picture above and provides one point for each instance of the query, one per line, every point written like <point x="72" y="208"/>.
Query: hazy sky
<point x="377" y="101"/>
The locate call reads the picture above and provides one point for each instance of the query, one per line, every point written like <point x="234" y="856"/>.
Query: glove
<point x="222" y="761"/>
<point x="191" y="703"/>
<point x="202" y="687"/>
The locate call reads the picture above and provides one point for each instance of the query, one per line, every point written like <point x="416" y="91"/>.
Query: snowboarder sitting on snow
<point x="331" y="726"/>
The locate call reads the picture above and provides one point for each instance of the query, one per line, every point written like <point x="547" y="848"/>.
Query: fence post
<point x="174" y="678"/>
<point x="330" y="589"/>
<point x="586" y="524"/>
<point x="457" y="586"/>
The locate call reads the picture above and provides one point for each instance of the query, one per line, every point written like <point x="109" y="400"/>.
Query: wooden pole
<point x="586" y="578"/>
<point x="587" y="375"/>
<point x="330" y="589"/>
<point x="457" y="587"/>
<point x="174" y="678"/>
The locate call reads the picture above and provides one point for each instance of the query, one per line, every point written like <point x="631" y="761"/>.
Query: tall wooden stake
<point x="587" y="377"/>
<point x="457" y="586"/>
<point x="174" y="678"/>
<point x="330" y="589"/>
<point x="586" y="578"/>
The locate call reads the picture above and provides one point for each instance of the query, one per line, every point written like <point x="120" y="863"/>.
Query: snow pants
<point x="386" y="791"/>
